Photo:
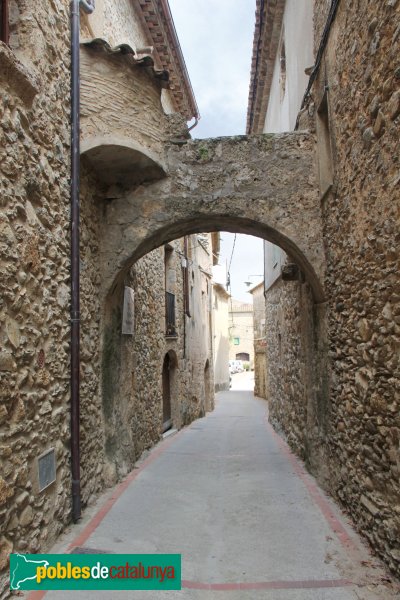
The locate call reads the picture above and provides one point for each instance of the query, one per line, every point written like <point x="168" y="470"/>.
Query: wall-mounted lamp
<point x="249" y="283"/>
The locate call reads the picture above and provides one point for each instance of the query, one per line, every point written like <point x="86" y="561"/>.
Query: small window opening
<point x="324" y="145"/>
<point x="4" y="22"/>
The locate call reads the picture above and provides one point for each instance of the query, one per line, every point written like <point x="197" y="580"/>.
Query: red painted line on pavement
<point x="269" y="585"/>
<point x="336" y="526"/>
<point x="105" y="509"/>
<point x="36" y="595"/>
<point x="99" y="516"/>
<point x="312" y="488"/>
<point x="257" y="585"/>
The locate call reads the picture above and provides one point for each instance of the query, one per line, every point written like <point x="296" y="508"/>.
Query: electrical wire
<point x="233" y="249"/>
<point x="321" y="49"/>
<point x="228" y="278"/>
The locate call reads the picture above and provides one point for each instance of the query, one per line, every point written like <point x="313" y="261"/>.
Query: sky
<point x="247" y="263"/>
<point x="216" y="38"/>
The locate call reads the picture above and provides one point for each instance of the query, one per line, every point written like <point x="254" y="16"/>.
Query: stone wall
<point x="34" y="276"/>
<point x="199" y="364"/>
<point x="221" y="337"/>
<point x="35" y="303"/>
<point x="296" y="388"/>
<point x="352" y="439"/>
<point x="241" y="330"/>
<point x="260" y="344"/>
<point x="132" y="366"/>
<point x="132" y="112"/>
<point x="361" y="231"/>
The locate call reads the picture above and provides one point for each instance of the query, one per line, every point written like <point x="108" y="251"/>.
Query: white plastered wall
<point x="283" y="108"/>
<point x="297" y="35"/>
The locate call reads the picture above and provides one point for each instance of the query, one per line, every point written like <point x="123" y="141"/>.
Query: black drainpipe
<point x="75" y="302"/>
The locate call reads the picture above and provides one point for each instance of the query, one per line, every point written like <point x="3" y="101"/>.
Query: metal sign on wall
<point x="128" y="313"/>
<point x="47" y="469"/>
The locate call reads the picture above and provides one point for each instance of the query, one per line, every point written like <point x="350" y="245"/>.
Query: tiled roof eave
<point x="157" y="21"/>
<point x="124" y="50"/>
<point x="269" y="16"/>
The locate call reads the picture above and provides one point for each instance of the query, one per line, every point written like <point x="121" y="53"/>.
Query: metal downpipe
<point x="88" y="7"/>
<point x="75" y="300"/>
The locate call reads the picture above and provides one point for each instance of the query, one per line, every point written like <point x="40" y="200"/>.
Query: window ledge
<point x="13" y="73"/>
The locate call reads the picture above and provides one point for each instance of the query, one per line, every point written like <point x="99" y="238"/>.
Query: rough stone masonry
<point x="265" y="185"/>
<point x="350" y="437"/>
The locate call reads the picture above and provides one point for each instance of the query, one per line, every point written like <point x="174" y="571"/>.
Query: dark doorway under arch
<point x="243" y="356"/>
<point x="207" y="387"/>
<point x="168" y="376"/>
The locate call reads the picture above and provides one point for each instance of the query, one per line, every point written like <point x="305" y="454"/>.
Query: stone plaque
<point x="128" y="313"/>
<point x="47" y="469"/>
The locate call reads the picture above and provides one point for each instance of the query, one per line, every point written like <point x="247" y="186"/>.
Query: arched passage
<point x="120" y="163"/>
<point x="259" y="185"/>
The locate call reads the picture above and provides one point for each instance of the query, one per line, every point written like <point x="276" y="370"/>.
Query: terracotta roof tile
<point x="157" y="20"/>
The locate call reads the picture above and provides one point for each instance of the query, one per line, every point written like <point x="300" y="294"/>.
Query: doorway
<point x="245" y="356"/>
<point x="168" y="380"/>
<point x="207" y="387"/>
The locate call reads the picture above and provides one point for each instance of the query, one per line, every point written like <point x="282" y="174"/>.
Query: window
<point x="170" y="326"/>
<point x="236" y="341"/>
<point x="186" y="286"/>
<point x="324" y="145"/>
<point x="4" y="25"/>
<point x="170" y="281"/>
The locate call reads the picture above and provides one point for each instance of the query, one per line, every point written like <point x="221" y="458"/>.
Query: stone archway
<point x="154" y="185"/>
<point x="159" y="186"/>
<point x="260" y="185"/>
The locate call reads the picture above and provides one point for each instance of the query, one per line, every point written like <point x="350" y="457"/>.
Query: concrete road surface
<point x="250" y="523"/>
<point x="242" y="381"/>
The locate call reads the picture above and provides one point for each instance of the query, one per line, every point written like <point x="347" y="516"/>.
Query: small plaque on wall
<point x="128" y="313"/>
<point x="47" y="469"/>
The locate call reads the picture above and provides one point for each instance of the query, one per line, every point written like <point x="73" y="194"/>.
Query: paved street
<point x="228" y="495"/>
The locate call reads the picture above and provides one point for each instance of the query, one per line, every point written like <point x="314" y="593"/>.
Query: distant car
<point x="232" y="367"/>
<point x="239" y="366"/>
<point x="236" y="366"/>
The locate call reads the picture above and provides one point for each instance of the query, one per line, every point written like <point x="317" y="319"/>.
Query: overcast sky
<point x="216" y="38"/>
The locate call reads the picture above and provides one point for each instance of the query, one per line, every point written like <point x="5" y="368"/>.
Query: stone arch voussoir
<point x="260" y="185"/>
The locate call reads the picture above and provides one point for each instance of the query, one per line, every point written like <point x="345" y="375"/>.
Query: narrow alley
<point x="250" y="523"/>
<point x="200" y="299"/>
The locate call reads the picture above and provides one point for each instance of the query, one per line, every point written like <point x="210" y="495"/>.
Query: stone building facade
<point x="144" y="184"/>
<point x="221" y="337"/>
<point x="34" y="279"/>
<point x="342" y="419"/>
<point x="128" y="378"/>
<point x="260" y="341"/>
<point x="241" y="333"/>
